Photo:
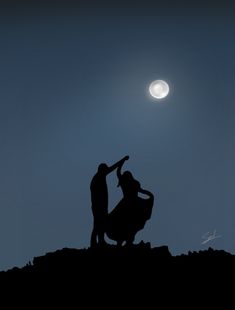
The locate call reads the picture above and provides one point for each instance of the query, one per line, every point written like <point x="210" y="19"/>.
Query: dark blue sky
<point x="74" y="80"/>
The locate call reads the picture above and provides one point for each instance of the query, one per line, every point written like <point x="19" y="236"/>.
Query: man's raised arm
<point x="117" y="164"/>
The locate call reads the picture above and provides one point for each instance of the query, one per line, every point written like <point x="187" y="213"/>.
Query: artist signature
<point x="210" y="236"/>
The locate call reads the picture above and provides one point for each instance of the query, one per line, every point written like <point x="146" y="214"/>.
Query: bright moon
<point x="159" y="89"/>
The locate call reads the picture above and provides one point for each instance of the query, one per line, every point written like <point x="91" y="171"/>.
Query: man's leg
<point x="93" y="241"/>
<point x="101" y="240"/>
<point x="101" y="230"/>
<point x="94" y="234"/>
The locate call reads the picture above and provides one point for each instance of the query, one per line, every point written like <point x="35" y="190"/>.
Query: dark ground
<point x="111" y="277"/>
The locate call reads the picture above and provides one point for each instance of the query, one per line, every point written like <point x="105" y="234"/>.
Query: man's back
<point x="99" y="192"/>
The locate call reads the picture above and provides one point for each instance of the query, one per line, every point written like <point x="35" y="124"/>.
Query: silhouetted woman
<point x="131" y="213"/>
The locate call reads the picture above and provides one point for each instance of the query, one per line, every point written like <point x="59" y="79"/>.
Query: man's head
<point x="103" y="168"/>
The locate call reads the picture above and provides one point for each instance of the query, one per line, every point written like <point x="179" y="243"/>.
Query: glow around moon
<point x="159" y="89"/>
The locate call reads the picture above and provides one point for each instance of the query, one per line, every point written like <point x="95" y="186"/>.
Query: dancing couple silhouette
<point x="130" y="214"/>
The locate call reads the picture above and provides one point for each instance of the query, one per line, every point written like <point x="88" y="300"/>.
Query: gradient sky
<point x="74" y="92"/>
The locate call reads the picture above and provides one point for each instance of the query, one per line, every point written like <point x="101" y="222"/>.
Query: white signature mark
<point x="209" y="237"/>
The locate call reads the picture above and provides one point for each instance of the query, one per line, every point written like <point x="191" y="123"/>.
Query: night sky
<point x="74" y="93"/>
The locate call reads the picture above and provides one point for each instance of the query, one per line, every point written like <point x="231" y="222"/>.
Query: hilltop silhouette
<point x="139" y="258"/>
<point x="115" y="276"/>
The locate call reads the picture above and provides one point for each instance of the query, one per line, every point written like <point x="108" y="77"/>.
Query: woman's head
<point x="129" y="184"/>
<point x="127" y="175"/>
<point x="125" y="178"/>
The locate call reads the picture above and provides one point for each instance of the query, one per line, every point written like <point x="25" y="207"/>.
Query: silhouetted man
<point x="99" y="200"/>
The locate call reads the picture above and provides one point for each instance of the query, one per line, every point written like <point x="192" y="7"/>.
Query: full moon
<point x="159" y="89"/>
